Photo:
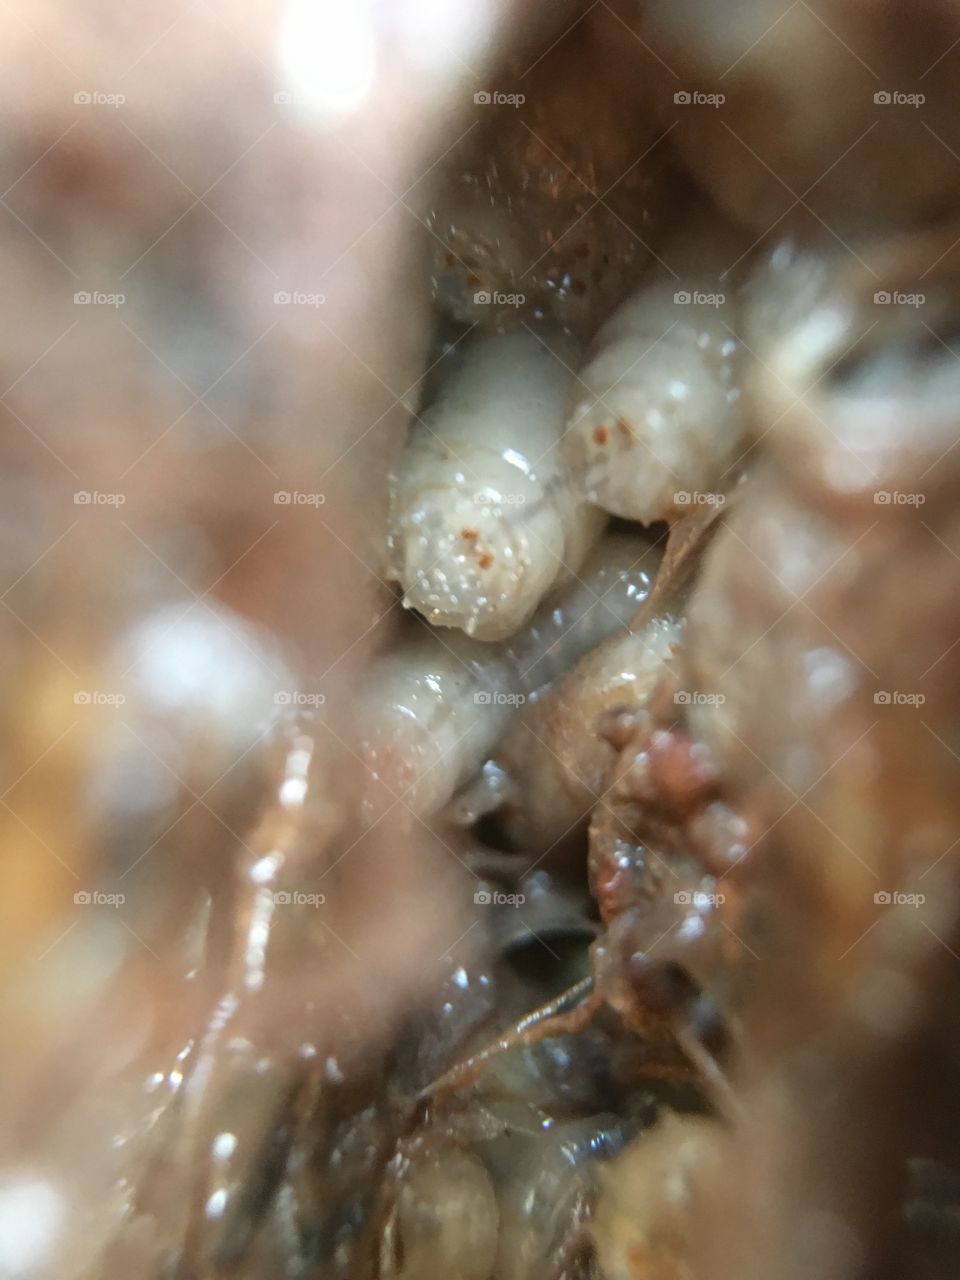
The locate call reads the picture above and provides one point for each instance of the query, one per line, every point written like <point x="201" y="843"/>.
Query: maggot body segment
<point x="552" y="765"/>
<point x="655" y="417"/>
<point x="484" y="518"/>
<point x="439" y="703"/>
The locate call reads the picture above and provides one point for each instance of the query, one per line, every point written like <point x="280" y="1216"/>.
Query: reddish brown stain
<point x="682" y="774"/>
<point x="486" y="560"/>
<point x="615" y="889"/>
<point x="600" y="435"/>
<point x="469" y="535"/>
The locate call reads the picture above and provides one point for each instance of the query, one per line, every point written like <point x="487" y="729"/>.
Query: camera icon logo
<point x="682" y="298"/>
<point x="682" y="98"/>
<point x="482" y="299"/>
<point x="283" y="498"/>
<point x="682" y="698"/>
<point x="83" y="898"/>
<point x="82" y="699"/>
<point x="83" y="98"/>
<point x="882" y="298"/>
<point x="882" y="899"/>
<point x="283" y="98"/>
<point x="682" y="498"/>
<point x="482" y="699"/>
<point x="282" y="298"/>
<point x="882" y="698"/>
<point x="283" y="698"/>
<point x="483" y="897"/>
<point x="82" y="499"/>
<point x="882" y="98"/>
<point x="282" y="898"/>
<point x="483" y="98"/>
<point x="683" y="898"/>
<point x="82" y="299"/>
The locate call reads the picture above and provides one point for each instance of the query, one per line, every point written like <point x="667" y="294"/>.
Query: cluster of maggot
<point x="648" y="528"/>
<point x="564" y="475"/>
<point x="595" y="402"/>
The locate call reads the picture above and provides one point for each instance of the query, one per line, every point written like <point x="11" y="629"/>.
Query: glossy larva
<point x="437" y="705"/>
<point x="550" y="768"/>
<point x="484" y="521"/>
<point x="655" y="417"/>
<point x="447" y="1220"/>
<point x="545" y="1183"/>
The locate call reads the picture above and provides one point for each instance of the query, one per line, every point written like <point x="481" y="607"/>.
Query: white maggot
<point x="437" y="705"/>
<point x="447" y="1218"/>
<point x="655" y="417"/>
<point x="551" y="766"/>
<point x="484" y="521"/>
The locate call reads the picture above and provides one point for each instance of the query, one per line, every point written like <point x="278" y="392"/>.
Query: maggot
<point x="484" y="521"/>
<point x="655" y="417"/>
<point x="436" y="706"/>
<point x="549" y="771"/>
